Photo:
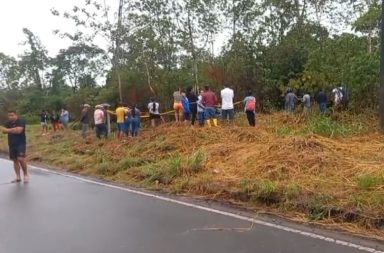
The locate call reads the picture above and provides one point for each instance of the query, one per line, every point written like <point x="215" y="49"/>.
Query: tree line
<point x="152" y="47"/>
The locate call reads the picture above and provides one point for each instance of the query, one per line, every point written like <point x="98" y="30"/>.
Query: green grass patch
<point x="195" y="162"/>
<point x="323" y="125"/>
<point x="367" y="181"/>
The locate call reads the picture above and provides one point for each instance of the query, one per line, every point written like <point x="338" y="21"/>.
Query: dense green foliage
<point x="155" y="46"/>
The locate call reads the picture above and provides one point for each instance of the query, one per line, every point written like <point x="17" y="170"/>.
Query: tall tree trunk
<point x="381" y="90"/>
<point x="118" y="47"/>
<point x="370" y="42"/>
<point x="193" y="51"/>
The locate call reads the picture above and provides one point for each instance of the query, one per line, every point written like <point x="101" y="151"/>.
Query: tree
<point x="80" y="65"/>
<point x="34" y="61"/>
<point x="9" y="72"/>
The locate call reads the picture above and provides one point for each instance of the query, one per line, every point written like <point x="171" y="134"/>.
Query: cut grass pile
<point x="317" y="169"/>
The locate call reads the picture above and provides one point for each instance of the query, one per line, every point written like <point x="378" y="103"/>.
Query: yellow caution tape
<point x="146" y="115"/>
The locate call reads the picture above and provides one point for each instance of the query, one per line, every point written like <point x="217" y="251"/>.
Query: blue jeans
<point x="101" y="130"/>
<point x="127" y="125"/>
<point x="323" y="107"/>
<point x="135" y="125"/>
<point x="201" y="118"/>
<point x="210" y="113"/>
<point x="228" y="114"/>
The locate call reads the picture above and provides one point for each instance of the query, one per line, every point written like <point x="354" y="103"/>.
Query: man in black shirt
<point x="44" y="117"/>
<point x="85" y="120"/>
<point x="15" y="128"/>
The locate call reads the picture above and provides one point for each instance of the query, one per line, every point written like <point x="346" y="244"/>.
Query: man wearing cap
<point x="101" y="129"/>
<point x="85" y="120"/>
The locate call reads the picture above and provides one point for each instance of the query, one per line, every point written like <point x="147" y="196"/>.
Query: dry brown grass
<point x="284" y="165"/>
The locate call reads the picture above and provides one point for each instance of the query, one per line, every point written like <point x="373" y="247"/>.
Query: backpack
<point x="251" y="104"/>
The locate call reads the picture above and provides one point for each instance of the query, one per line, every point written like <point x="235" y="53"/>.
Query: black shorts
<point x="17" y="151"/>
<point x="154" y="116"/>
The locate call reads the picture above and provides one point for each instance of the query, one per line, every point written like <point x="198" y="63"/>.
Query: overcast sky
<point x="36" y="16"/>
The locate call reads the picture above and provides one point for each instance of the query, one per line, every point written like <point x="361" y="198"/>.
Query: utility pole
<point x="118" y="47"/>
<point x="381" y="89"/>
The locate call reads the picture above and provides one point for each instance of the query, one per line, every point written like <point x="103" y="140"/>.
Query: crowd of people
<point x="339" y="103"/>
<point x="56" y="119"/>
<point x="189" y="106"/>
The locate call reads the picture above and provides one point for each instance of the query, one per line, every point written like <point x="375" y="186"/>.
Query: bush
<point x="196" y="161"/>
<point x="131" y="162"/>
<point x="174" y="165"/>
<point x="106" y="169"/>
<point x="292" y="191"/>
<point x="366" y="181"/>
<point x="264" y="191"/>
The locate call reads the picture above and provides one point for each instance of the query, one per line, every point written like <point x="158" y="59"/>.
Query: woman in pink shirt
<point x="101" y="129"/>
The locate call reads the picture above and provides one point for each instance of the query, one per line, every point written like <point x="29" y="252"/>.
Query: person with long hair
<point x="154" y="113"/>
<point x="135" y="120"/>
<point x="192" y="98"/>
<point x="177" y="105"/>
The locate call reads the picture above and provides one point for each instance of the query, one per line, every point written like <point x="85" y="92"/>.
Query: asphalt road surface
<point x="63" y="213"/>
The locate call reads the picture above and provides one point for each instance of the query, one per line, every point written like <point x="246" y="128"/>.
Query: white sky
<point x="36" y="16"/>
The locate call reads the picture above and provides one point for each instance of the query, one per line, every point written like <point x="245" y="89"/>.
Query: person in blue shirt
<point x="186" y="107"/>
<point x="134" y="115"/>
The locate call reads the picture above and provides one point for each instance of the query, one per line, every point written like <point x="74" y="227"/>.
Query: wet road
<point x="60" y="214"/>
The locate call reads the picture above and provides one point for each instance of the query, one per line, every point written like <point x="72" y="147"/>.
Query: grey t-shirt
<point x="177" y="97"/>
<point x="291" y="99"/>
<point x="307" y="100"/>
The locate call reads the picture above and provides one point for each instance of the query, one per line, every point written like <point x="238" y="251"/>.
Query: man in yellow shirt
<point x="120" y="115"/>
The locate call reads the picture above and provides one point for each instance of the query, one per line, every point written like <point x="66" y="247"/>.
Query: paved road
<point x="59" y="214"/>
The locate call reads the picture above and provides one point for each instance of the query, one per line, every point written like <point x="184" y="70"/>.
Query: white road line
<point x="211" y="210"/>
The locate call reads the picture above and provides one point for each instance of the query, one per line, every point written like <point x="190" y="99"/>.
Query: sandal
<point x="16" y="181"/>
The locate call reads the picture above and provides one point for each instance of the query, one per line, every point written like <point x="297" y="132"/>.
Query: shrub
<point x="366" y="181"/>
<point x="196" y="161"/>
<point x="106" y="169"/>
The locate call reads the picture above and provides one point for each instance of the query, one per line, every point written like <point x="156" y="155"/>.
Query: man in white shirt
<point x="227" y="108"/>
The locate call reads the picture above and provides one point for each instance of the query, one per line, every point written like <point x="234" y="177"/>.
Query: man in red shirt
<point x="209" y="102"/>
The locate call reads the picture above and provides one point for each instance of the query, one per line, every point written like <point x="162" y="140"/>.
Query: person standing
<point x="338" y="98"/>
<point x="44" y="117"/>
<point x="186" y="109"/>
<point x="322" y="101"/>
<point x="200" y="109"/>
<point x="192" y="98"/>
<point x="64" y="118"/>
<point x="209" y="102"/>
<point x="17" y="142"/>
<point x="99" y="117"/>
<point x="227" y="108"/>
<point x="306" y="99"/>
<point x="135" y="121"/>
<point x="121" y="112"/>
<point x="85" y="120"/>
<point x="55" y="120"/>
<point x="177" y="105"/>
<point x="290" y="101"/>
<point x="154" y="113"/>
<point x="250" y="108"/>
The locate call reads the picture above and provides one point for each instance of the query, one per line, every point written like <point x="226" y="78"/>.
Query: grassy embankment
<point x="318" y="170"/>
